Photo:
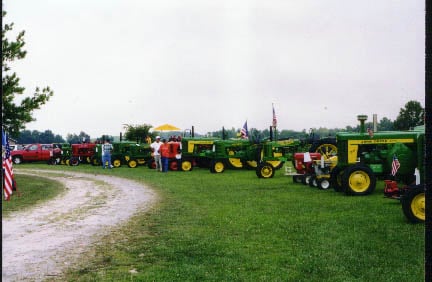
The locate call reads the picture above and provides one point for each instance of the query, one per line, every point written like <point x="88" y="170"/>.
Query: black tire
<point x="96" y="161"/>
<point x="17" y="160"/>
<point x="313" y="181"/>
<point x="413" y="204"/>
<point x="306" y="179"/>
<point x="74" y="161"/>
<point x="324" y="183"/>
<point x="336" y="179"/>
<point x="265" y="170"/>
<point x="297" y="178"/>
<point x="358" y="180"/>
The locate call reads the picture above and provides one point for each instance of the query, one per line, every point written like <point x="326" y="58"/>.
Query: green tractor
<point x="66" y="152"/>
<point x="232" y="153"/>
<point x="137" y="154"/>
<point x="365" y="156"/>
<point x="122" y="153"/>
<point x="194" y="152"/>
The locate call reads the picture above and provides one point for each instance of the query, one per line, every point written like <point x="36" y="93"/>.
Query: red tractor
<point x="82" y="153"/>
<point x="303" y="164"/>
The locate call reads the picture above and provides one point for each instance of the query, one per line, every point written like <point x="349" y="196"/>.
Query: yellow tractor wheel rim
<point x="186" y="166"/>
<point x="359" y="181"/>
<point x="219" y="167"/>
<point x="253" y="164"/>
<point x="266" y="171"/>
<point x="116" y="163"/>
<point x="327" y="150"/>
<point x="418" y="206"/>
<point x="132" y="164"/>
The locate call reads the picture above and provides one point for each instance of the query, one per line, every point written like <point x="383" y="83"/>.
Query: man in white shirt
<point x="156" y="153"/>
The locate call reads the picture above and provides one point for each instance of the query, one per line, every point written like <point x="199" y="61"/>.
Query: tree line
<point x="410" y="116"/>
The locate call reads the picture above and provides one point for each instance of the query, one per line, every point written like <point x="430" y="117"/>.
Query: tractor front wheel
<point x="358" y="180"/>
<point x="413" y="204"/>
<point x="116" y="163"/>
<point x="323" y="183"/>
<point x="217" y="166"/>
<point x="186" y="165"/>
<point x="132" y="163"/>
<point x="336" y="179"/>
<point x="265" y="170"/>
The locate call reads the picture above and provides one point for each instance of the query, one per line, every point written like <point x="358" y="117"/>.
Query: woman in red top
<point x="165" y="152"/>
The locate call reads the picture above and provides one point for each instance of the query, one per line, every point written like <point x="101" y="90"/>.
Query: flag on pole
<point x="7" y="167"/>
<point x="274" y="117"/>
<point x="395" y="165"/>
<point x="244" y="131"/>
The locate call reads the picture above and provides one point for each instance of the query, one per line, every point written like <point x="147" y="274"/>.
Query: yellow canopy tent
<point x="166" y="127"/>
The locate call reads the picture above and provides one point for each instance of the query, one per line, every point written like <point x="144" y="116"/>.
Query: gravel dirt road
<point x="40" y="243"/>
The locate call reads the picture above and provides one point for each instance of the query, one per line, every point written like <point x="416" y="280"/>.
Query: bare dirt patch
<point x="40" y="243"/>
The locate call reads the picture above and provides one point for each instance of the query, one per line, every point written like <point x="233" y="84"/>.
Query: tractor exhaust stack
<point x="362" y="119"/>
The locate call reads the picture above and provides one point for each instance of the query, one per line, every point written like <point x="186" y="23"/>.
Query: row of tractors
<point x="360" y="159"/>
<point x="350" y="163"/>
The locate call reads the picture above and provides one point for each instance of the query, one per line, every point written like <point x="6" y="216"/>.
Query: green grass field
<point x="234" y="226"/>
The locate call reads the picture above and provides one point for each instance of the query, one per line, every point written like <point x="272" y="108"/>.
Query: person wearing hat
<point x="155" y="147"/>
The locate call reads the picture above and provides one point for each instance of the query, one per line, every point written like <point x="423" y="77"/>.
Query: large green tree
<point x="15" y="114"/>
<point x="412" y="115"/>
<point x="138" y="133"/>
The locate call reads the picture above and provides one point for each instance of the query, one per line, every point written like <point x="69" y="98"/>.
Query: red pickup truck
<point x="37" y="153"/>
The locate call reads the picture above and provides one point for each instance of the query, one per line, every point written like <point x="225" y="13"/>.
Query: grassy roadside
<point x="34" y="190"/>
<point x="236" y="227"/>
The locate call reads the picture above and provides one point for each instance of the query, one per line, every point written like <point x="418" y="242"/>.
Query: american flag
<point x="274" y="117"/>
<point x="7" y="167"/>
<point x="395" y="165"/>
<point x="244" y="131"/>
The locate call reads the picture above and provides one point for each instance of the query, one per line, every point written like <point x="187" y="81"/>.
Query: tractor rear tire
<point x="265" y="170"/>
<point x="235" y="163"/>
<point x="358" y="180"/>
<point x="413" y="204"/>
<point x="326" y="147"/>
<point x="173" y="165"/>
<point x="217" y="166"/>
<point x="336" y="179"/>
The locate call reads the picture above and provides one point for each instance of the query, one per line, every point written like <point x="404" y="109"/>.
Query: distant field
<point x="234" y="226"/>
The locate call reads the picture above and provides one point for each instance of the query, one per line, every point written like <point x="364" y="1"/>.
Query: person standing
<point x="165" y="153"/>
<point x="155" y="146"/>
<point x="106" y="154"/>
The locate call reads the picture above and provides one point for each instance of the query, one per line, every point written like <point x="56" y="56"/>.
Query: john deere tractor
<point x="365" y="156"/>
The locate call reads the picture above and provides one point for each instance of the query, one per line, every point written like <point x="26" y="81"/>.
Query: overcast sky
<point x="210" y="64"/>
